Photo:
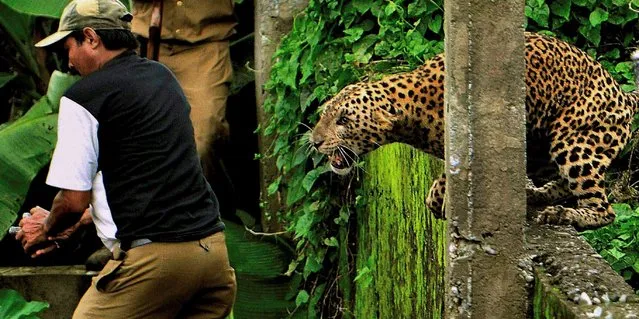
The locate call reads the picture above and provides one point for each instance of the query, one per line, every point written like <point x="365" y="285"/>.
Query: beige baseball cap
<point x="95" y="14"/>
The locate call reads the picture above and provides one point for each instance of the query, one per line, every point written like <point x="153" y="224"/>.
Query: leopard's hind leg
<point x="583" y="158"/>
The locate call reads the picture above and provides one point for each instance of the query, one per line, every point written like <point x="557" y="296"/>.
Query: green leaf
<point x="302" y="298"/>
<point x="274" y="186"/>
<point x="598" y="16"/>
<point x="312" y="176"/>
<point x="48" y="8"/>
<point x="303" y="225"/>
<point x="362" y="5"/>
<point x="539" y="14"/>
<point x="592" y="34"/>
<point x="561" y="8"/>
<point x="331" y="242"/>
<point x="14" y="306"/>
<point x="353" y="34"/>
<point x="6" y="78"/>
<point x="26" y="145"/>
<point x="312" y="265"/>
<point x="435" y="24"/>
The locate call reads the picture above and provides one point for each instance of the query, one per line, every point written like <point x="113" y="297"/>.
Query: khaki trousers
<point x="163" y="280"/>
<point x="204" y="71"/>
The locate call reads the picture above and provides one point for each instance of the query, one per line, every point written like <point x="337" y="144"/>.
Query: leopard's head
<point x="353" y="122"/>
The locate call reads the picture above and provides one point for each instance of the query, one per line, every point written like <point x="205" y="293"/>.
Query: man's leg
<point x="217" y="294"/>
<point x="160" y="280"/>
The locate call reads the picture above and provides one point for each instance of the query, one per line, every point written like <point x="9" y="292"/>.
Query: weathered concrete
<point x="400" y="245"/>
<point x="571" y="279"/>
<point x="273" y="19"/>
<point x="60" y="286"/>
<point x="485" y="161"/>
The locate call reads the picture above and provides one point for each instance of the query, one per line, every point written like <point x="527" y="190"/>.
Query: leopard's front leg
<point x="436" y="195"/>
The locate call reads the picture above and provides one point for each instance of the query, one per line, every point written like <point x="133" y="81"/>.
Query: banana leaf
<point x="26" y="145"/>
<point x="19" y="27"/>
<point x="48" y="8"/>
<point x="13" y="306"/>
<point x="260" y="264"/>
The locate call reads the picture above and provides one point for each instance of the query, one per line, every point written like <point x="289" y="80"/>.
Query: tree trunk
<point x="273" y="19"/>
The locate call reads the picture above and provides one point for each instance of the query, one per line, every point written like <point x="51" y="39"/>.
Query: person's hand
<point x="32" y="230"/>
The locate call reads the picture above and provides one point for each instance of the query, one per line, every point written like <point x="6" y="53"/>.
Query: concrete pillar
<point x="485" y="158"/>
<point x="273" y="19"/>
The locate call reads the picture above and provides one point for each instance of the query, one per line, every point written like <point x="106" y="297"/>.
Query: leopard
<point x="578" y="119"/>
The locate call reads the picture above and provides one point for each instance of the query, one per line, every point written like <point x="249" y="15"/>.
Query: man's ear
<point x="91" y="37"/>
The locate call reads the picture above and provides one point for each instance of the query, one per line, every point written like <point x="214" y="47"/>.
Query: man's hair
<point x="112" y="39"/>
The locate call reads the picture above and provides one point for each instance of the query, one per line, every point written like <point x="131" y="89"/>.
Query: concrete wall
<point x="60" y="286"/>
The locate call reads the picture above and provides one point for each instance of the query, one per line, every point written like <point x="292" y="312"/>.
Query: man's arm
<point x="66" y="210"/>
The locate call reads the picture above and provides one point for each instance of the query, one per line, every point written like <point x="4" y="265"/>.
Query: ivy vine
<point x="337" y="42"/>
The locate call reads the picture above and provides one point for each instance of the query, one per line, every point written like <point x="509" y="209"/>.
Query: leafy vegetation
<point x="618" y="243"/>
<point x="26" y="146"/>
<point x="338" y="42"/>
<point x="13" y="306"/>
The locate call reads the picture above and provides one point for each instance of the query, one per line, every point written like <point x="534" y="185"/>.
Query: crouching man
<point x="126" y="155"/>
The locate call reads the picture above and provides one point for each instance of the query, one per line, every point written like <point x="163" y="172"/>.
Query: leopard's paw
<point x="555" y="215"/>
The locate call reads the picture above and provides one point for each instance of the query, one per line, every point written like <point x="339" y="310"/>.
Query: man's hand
<point x="32" y="229"/>
<point x="33" y="233"/>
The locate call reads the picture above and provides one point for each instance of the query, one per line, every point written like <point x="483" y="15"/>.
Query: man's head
<point x="93" y="32"/>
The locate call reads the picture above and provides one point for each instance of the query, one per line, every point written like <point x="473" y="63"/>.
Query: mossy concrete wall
<point x="401" y="251"/>
<point x="400" y="245"/>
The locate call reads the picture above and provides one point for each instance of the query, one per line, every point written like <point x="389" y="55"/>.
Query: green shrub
<point x="618" y="243"/>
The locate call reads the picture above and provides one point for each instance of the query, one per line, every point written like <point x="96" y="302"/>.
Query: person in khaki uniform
<point x="194" y="45"/>
<point x="126" y="155"/>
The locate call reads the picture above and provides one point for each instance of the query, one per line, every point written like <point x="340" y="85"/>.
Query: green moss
<point x="547" y="302"/>
<point x="401" y="246"/>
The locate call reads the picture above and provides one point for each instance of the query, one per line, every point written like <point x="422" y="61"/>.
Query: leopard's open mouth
<point x="342" y="161"/>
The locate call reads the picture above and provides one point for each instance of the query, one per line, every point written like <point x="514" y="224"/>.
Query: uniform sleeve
<point x="75" y="158"/>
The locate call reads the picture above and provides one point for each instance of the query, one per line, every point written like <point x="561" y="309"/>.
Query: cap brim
<point x="53" y="38"/>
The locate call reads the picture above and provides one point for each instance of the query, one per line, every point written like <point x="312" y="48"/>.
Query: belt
<point x="130" y="244"/>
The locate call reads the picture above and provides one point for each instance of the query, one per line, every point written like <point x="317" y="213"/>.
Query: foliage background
<point x="338" y="42"/>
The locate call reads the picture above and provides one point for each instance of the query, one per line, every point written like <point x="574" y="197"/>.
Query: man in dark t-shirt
<point x="126" y="154"/>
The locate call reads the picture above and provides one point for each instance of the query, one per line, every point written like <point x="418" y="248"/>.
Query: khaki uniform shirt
<point x="187" y="20"/>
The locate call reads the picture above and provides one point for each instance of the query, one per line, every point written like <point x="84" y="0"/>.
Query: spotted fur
<point x="578" y="120"/>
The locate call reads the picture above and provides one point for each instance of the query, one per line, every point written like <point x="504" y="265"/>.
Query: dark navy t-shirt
<point x="127" y="125"/>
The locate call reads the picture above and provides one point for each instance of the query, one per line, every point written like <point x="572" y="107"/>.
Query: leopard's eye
<point x="342" y="120"/>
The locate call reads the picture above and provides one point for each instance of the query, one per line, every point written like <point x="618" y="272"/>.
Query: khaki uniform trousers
<point x="163" y="280"/>
<point x="204" y="71"/>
